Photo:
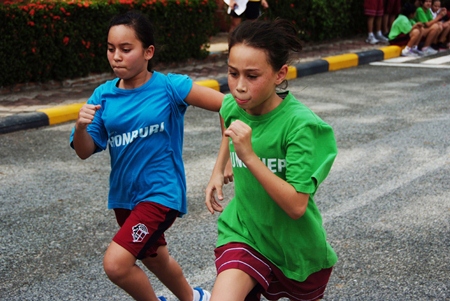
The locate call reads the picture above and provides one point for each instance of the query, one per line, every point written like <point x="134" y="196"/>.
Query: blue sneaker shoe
<point x="162" y="298"/>
<point x="204" y="295"/>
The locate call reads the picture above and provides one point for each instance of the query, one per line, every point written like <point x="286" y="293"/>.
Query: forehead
<point x="247" y="57"/>
<point x="122" y="34"/>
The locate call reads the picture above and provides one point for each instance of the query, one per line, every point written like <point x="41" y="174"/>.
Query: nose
<point x="240" y="85"/>
<point x="117" y="56"/>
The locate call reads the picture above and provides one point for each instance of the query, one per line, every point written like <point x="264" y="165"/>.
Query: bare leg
<point x="170" y="274"/>
<point x="386" y="25"/>
<point x="430" y="35"/>
<point x="391" y="20"/>
<point x="443" y="37"/>
<point x="234" y="23"/>
<point x="378" y="23"/>
<point x="232" y="285"/>
<point x="120" y="266"/>
<point x="370" y="21"/>
<point x="414" y="38"/>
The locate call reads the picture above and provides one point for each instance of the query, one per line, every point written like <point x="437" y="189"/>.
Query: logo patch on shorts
<point x="139" y="232"/>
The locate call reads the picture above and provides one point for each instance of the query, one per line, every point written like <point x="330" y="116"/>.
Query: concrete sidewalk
<point x="28" y="106"/>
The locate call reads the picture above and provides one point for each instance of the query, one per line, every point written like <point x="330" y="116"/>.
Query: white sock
<point x="414" y="47"/>
<point x="407" y="48"/>
<point x="370" y="35"/>
<point x="196" y="295"/>
<point x="379" y="33"/>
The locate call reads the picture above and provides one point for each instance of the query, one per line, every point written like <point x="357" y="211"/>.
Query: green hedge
<point x="51" y="40"/>
<point x="320" y="20"/>
<point x="57" y="40"/>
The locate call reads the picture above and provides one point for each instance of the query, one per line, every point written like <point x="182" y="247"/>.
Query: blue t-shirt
<point x="143" y="129"/>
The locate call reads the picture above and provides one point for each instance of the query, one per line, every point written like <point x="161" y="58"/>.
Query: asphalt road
<point x="385" y="204"/>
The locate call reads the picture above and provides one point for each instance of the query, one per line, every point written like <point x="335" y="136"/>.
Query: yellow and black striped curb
<point x="61" y="114"/>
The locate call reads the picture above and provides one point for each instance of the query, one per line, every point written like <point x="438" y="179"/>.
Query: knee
<point x="436" y="28"/>
<point x="415" y="33"/>
<point x="113" y="269"/>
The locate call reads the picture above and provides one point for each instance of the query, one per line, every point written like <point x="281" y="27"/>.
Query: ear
<point x="149" y="52"/>
<point x="281" y="74"/>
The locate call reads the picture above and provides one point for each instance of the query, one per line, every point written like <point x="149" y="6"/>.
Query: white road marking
<point x="402" y="61"/>
<point x="438" y="60"/>
<point x="386" y="188"/>
<point x="419" y="65"/>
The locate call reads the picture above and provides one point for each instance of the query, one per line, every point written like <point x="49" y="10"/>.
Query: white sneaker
<point x="429" y="51"/>
<point x="372" y="40"/>
<point x="409" y="53"/>
<point x="204" y="295"/>
<point x="381" y="38"/>
<point x="417" y="51"/>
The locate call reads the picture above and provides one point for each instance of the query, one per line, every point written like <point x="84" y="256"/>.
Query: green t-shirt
<point x="299" y="147"/>
<point x="423" y="16"/>
<point x="400" y="25"/>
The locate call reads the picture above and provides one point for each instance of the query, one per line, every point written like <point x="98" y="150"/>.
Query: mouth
<point x="241" y="101"/>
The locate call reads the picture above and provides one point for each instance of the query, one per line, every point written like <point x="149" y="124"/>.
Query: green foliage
<point x="319" y="20"/>
<point x="54" y="40"/>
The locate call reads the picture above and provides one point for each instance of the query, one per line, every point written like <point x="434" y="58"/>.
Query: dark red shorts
<point x="142" y="229"/>
<point x="271" y="281"/>
<point x="401" y="40"/>
<point x="374" y="8"/>
<point x="392" y="7"/>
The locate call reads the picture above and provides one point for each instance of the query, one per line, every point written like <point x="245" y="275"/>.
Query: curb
<point x="61" y="114"/>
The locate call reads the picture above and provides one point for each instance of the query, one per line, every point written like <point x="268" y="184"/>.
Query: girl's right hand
<point x="86" y="116"/>
<point x="214" y="194"/>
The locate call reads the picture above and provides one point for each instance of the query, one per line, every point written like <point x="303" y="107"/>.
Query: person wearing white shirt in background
<point x="437" y="10"/>
<point x="237" y="11"/>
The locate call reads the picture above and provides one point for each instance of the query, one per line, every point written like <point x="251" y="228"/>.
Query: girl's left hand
<point x="264" y="4"/>
<point x="241" y="134"/>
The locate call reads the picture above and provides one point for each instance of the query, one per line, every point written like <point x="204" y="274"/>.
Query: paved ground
<point x="385" y="203"/>
<point x="31" y="97"/>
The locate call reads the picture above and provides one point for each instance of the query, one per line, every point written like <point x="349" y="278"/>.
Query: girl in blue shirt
<point x="139" y="116"/>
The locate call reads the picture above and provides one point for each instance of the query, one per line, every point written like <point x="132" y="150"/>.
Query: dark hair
<point x="277" y="38"/>
<point x="142" y="26"/>
<point x="408" y="9"/>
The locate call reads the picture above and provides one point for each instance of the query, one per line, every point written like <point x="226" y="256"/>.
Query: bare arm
<point x="82" y="142"/>
<point x="204" y="97"/>
<point x="284" y="194"/>
<point x="217" y="178"/>
<point x="264" y="4"/>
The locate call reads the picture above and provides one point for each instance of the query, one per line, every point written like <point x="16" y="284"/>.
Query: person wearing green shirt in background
<point x="432" y="27"/>
<point x="406" y="32"/>
<point x="441" y="13"/>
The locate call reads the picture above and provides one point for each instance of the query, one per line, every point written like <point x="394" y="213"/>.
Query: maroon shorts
<point x="401" y="40"/>
<point x="142" y="229"/>
<point x="271" y="281"/>
<point x="373" y="8"/>
<point x="392" y="7"/>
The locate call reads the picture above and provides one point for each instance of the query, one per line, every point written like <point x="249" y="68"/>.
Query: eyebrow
<point x="121" y="44"/>
<point x="247" y="70"/>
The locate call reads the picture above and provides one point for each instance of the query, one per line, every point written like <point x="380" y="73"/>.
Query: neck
<point x="136" y="81"/>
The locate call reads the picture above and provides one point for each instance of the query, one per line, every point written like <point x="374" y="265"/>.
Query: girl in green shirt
<point x="432" y="27"/>
<point x="271" y="240"/>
